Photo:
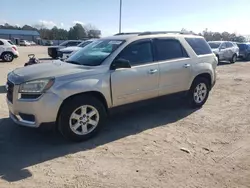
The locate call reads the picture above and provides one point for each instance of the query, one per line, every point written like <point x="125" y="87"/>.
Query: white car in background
<point x="225" y="50"/>
<point x="66" y="52"/>
<point x="24" y="43"/>
<point x="8" y="51"/>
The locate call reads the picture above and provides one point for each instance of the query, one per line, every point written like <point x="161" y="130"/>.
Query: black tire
<point x="7" y="56"/>
<point x="191" y="98"/>
<point x="233" y="59"/>
<point x="218" y="58"/>
<point x="69" y="107"/>
<point x="248" y="57"/>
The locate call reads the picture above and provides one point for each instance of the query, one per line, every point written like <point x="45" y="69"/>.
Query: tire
<point x="85" y="129"/>
<point x="248" y="57"/>
<point x="193" y="101"/>
<point x="234" y="58"/>
<point x="218" y="58"/>
<point x="8" y="57"/>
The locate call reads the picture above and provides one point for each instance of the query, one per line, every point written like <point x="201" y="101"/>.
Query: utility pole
<point x="120" y="17"/>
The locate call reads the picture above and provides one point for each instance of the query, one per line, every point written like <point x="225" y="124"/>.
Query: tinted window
<point x="242" y="46"/>
<point x="229" y="45"/>
<point x="223" y="45"/>
<point x="72" y="43"/>
<point x="10" y="42"/>
<point x="214" y="44"/>
<point x="199" y="45"/>
<point x="169" y="49"/>
<point x="1" y="43"/>
<point x="138" y="53"/>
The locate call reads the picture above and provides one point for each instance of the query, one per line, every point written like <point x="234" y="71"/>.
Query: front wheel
<point x="198" y="92"/>
<point x="81" y="118"/>
<point x="234" y="58"/>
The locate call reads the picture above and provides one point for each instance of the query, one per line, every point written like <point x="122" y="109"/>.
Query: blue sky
<point x="137" y="15"/>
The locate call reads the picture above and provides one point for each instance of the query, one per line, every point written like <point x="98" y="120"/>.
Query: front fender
<point x="101" y="85"/>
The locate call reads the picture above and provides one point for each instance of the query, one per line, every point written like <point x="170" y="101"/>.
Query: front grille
<point x="30" y="96"/>
<point x="59" y="54"/>
<point x="10" y="89"/>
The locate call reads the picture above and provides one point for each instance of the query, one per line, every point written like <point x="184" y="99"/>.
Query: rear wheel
<point x="81" y="118"/>
<point x="198" y="92"/>
<point x="248" y="57"/>
<point x="234" y="58"/>
<point x="8" y="57"/>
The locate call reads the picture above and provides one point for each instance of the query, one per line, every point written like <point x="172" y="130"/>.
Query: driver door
<point x="223" y="51"/>
<point x="139" y="82"/>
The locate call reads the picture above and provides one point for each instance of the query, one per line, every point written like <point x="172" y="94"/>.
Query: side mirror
<point x="222" y="47"/>
<point x="120" y="63"/>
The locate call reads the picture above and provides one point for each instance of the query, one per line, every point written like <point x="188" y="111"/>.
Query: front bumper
<point x="43" y="109"/>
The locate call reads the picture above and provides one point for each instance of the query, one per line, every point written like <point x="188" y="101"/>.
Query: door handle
<point x="186" y="65"/>
<point x="153" y="71"/>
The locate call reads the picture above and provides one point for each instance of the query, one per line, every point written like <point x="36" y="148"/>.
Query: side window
<point x="169" y="49"/>
<point x="70" y="44"/>
<point x="138" y="53"/>
<point x="229" y="44"/>
<point x="1" y="43"/>
<point x="199" y="45"/>
<point x="223" y="45"/>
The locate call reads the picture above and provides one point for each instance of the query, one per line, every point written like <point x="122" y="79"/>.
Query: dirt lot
<point x="140" y="146"/>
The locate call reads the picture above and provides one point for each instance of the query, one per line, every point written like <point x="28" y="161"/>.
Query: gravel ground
<point x="159" y="143"/>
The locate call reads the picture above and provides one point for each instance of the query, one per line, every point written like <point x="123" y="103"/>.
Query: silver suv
<point x="225" y="50"/>
<point x="112" y="71"/>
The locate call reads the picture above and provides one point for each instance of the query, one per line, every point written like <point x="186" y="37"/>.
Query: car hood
<point x="51" y="69"/>
<point x="70" y="49"/>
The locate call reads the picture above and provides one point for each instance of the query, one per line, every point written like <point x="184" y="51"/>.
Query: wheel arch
<point x="205" y="75"/>
<point x="96" y="94"/>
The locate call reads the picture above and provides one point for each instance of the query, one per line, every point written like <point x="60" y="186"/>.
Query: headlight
<point x="36" y="86"/>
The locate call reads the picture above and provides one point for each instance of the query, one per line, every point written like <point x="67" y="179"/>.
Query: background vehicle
<point x="52" y="51"/>
<point x="48" y="43"/>
<point x="111" y="72"/>
<point x="24" y="43"/>
<point x="8" y="51"/>
<point x="66" y="52"/>
<point x="244" y="51"/>
<point x="224" y="50"/>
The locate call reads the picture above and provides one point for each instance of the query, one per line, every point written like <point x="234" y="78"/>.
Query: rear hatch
<point x="242" y="48"/>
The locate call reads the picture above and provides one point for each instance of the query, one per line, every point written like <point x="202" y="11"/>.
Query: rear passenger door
<point x="174" y="65"/>
<point x="230" y="50"/>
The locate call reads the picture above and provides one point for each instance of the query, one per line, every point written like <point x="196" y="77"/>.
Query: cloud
<point x="46" y="23"/>
<point x="78" y="22"/>
<point x="62" y="24"/>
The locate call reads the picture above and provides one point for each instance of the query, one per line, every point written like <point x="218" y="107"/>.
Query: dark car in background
<point x="66" y="52"/>
<point x="244" y="51"/>
<point x="52" y="50"/>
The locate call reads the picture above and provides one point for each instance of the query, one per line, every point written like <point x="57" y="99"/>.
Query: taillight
<point x="14" y="48"/>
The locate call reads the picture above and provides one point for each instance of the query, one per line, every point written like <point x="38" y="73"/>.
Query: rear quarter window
<point x="199" y="45"/>
<point x="1" y="42"/>
<point x="10" y="42"/>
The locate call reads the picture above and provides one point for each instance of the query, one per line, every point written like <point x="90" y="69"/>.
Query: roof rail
<point x="165" y="32"/>
<point x="132" y="33"/>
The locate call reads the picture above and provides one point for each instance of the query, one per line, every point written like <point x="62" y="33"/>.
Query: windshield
<point x="214" y="44"/>
<point x="64" y="43"/>
<point x="95" y="53"/>
<point x="85" y="43"/>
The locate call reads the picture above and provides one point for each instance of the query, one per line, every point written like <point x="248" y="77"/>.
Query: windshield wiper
<point x="73" y="62"/>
